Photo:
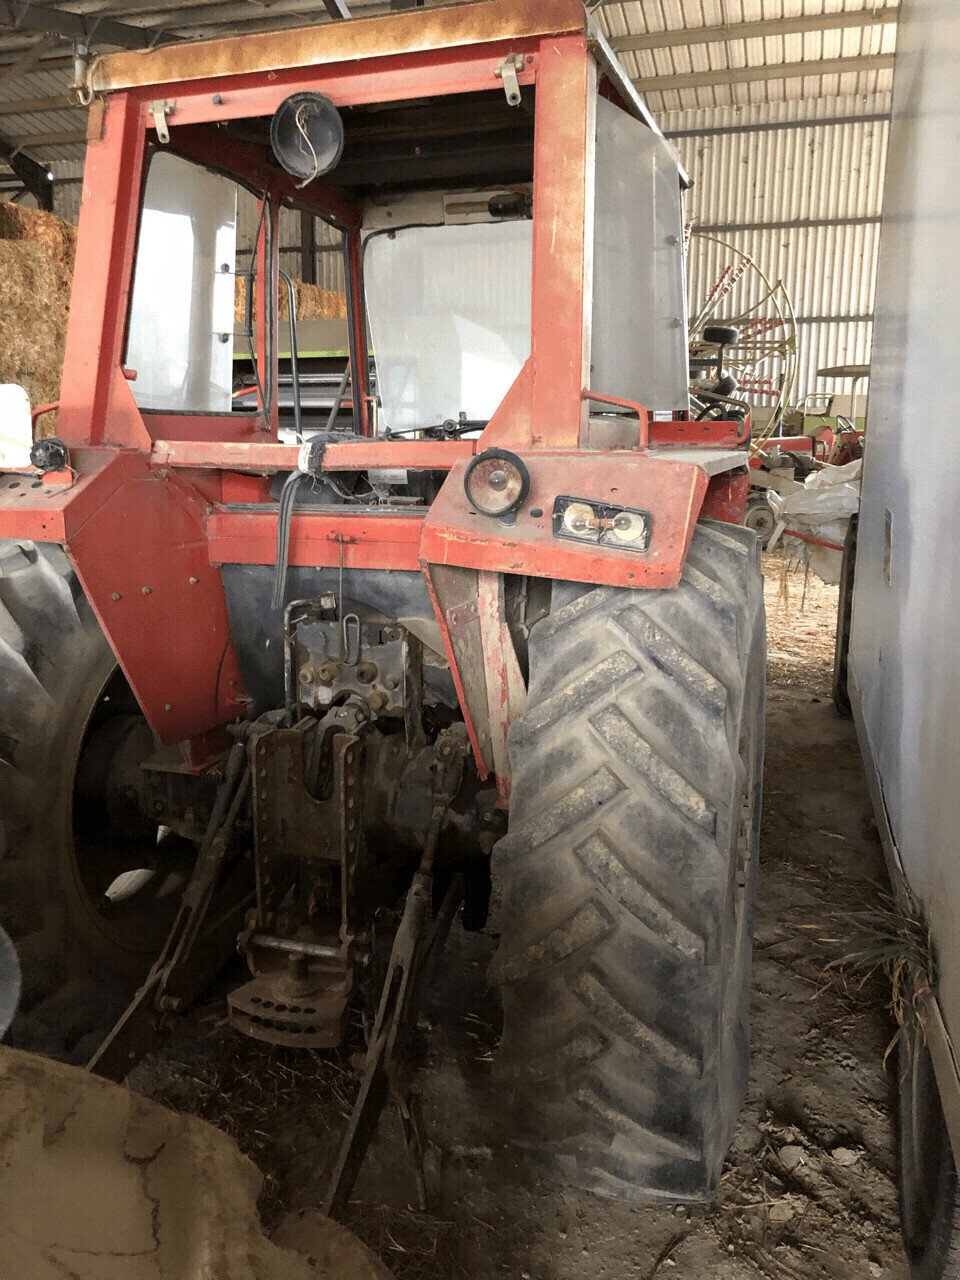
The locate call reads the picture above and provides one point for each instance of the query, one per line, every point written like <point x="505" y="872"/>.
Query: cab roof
<point x="407" y="32"/>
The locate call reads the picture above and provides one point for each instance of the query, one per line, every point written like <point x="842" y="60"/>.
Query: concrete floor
<point x="809" y="1186"/>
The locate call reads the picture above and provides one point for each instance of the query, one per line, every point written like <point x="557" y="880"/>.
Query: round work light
<point x="496" y="482"/>
<point x="307" y="135"/>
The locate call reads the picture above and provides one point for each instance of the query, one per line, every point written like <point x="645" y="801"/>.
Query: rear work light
<point x="602" y="523"/>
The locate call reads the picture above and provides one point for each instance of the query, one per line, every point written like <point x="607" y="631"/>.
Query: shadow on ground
<point x="809" y="1186"/>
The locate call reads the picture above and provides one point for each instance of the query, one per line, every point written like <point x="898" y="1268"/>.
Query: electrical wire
<point x="299" y="120"/>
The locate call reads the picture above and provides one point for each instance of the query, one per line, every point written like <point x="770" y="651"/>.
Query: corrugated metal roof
<point x="782" y="126"/>
<point x="803" y="200"/>
<point x="708" y="54"/>
<point x="680" y="17"/>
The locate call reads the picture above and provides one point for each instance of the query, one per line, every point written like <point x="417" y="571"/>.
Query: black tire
<point x="721" y="335"/>
<point x="629" y="873"/>
<point x="841" y="653"/>
<point x="929" y="1190"/>
<point x="59" y="682"/>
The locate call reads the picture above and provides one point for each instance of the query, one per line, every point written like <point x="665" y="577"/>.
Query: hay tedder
<point x="312" y="693"/>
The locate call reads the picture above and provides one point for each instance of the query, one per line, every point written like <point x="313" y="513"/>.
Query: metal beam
<point x="47" y="140"/>
<point x="167" y="21"/>
<point x="88" y="28"/>
<point x="30" y="58"/>
<point x="35" y="177"/>
<point x="37" y="106"/>
<point x="787" y="224"/>
<point x="775" y="71"/>
<point x="779" y="126"/>
<point x="11" y="65"/>
<point x="761" y="30"/>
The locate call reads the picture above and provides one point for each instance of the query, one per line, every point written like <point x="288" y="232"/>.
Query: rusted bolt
<point x="194" y="581"/>
<point x="329" y="671"/>
<point x="146" y="590"/>
<point x="115" y="595"/>
<point x="168" y="706"/>
<point x="308" y="673"/>
<point x="392" y="682"/>
<point x="366" y="672"/>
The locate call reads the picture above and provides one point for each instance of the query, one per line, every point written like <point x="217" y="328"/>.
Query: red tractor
<point x="268" y="686"/>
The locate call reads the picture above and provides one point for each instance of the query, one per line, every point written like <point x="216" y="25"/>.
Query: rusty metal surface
<point x="102" y="1184"/>
<point x="288" y="821"/>
<point x="418" y="31"/>
<point x="274" y="1010"/>
<point x="351" y="537"/>
<point x="453" y="534"/>
<point x="259" y="458"/>
<point x="419" y="939"/>
<point x="299" y="944"/>
<point x="506" y="689"/>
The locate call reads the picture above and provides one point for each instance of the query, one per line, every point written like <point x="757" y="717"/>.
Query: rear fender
<point x="465" y="556"/>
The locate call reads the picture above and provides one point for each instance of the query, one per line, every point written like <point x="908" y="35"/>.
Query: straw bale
<point x="313" y="302"/>
<point x="58" y="238"/>
<point x="36" y="267"/>
<point x="37" y="252"/>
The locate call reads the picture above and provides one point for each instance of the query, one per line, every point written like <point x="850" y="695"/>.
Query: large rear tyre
<point x="65" y="714"/>
<point x="629" y="872"/>
<point x="929" y="1190"/>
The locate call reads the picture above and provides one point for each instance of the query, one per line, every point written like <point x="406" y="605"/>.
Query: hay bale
<point x="313" y="302"/>
<point x="37" y="253"/>
<point x="57" y="237"/>
<point x="34" y="304"/>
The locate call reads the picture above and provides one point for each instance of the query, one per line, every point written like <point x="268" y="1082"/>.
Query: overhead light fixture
<point x="602" y="523"/>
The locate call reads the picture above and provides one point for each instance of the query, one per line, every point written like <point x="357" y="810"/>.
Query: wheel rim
<point x="108" y="848"/>
<point x="760" y="519"/>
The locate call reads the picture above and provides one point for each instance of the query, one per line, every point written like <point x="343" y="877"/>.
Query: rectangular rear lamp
<point x="602" y="523"/>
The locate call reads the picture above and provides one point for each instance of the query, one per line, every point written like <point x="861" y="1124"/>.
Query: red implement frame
<point x="156" y="503"/>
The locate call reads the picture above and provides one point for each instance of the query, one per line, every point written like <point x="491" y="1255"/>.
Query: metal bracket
<point x="160" y="108"/>
<point x="507" y="72"/>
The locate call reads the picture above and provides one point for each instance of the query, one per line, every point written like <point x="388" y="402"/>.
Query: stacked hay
<point x="37" y="252"/>
<point x="36" y="267"/>
<point x="313" y="302"/>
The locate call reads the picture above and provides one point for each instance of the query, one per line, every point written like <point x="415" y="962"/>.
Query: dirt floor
<point x="809" y="1187"/>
